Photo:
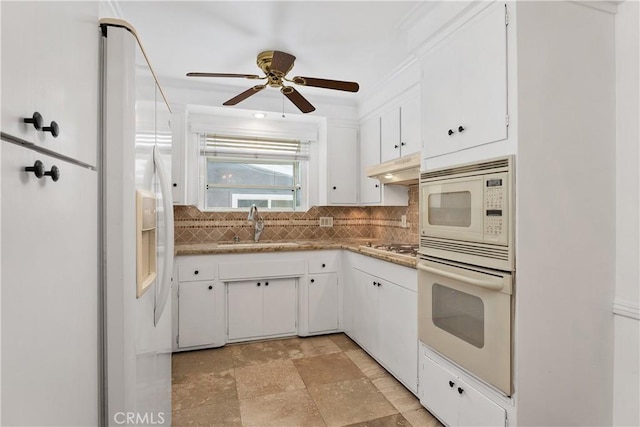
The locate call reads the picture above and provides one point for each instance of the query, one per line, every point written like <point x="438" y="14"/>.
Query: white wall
<point x="566" y="223"/>
<point x="626" y="384"/>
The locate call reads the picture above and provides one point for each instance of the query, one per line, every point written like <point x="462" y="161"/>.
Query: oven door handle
<point x="491" y="284"/>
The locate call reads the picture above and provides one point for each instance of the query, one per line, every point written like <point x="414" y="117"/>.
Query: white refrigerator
<point x="138" y="253"/>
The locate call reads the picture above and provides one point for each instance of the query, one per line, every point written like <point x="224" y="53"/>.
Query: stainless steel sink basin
<point x="256" y="245"/>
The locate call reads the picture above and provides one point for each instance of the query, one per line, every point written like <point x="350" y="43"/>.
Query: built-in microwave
<point x="466" y="213"/>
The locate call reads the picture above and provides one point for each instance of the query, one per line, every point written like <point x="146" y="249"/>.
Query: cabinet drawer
<point x="261" y="269"/>
<point x="323" y="262"/>
<point x="199" y="268"/>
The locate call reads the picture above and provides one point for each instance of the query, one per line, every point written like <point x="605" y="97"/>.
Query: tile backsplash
<point x="376" y="223"/>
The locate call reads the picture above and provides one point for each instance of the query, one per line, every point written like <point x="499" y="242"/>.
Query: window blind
<point x="254" y="147"/>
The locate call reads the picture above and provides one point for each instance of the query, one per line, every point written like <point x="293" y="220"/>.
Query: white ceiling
<point x="361" y="41"/>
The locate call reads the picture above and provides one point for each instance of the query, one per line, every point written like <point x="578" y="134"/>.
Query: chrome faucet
<point x="258" y="223"/>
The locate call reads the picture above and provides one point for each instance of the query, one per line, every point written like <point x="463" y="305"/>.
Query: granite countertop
<point x="353" y="245"/>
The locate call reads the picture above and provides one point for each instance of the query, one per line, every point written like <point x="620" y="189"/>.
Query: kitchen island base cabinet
<point x="261" y="308"/>
<point x="454" y="401"/>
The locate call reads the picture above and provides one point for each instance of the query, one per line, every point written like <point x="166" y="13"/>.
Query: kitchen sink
<point x="256" y="245"/>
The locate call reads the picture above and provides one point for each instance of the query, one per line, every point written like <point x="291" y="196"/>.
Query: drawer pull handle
<point x="313" y="280"/>
<point x="460" y="129"/>
<point x="450" y="132"/>
<point x="35" y="120"/>
<point x="266" y="283"/>
<point x="196" y="272"/>
<point x="451" y="384"/>
<point x="460" y="390"/>
<point x="54" y="173"/>
<point x="210" y="287"/>
<point x="324" y="265"/>
<point x="258" y="283"/>
<point x="37" y="169"/>
<point x="53" y="128"/>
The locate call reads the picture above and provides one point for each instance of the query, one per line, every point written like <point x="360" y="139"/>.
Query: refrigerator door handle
<point x="167" y="267"/>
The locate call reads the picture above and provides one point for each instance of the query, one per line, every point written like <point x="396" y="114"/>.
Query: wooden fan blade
<point x="281" y="63"/>
<point x="299" y="100"/>
<point x="327" y="84"/>
<point x="246" y="76"/>
<point x="244" y="95"/>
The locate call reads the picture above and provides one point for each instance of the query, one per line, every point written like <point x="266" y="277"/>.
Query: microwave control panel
<point x="495" y="205"/>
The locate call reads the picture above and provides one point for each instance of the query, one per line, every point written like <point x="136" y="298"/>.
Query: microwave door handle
<point x="491" y="284"/>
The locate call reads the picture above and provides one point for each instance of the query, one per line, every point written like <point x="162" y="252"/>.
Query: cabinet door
<point x="323" y="302"/>
<point x="342" y="157"/>
<point x="390" y="135"/>
<point x="464" y="86"/>
<point x="67" y="86"/>
<point x="411" y="125"/>
<point x="438" y="391"/>
<point x="365" y="310"/>
<point x="18" y="68"/>
<point x="196" y="314"/>
<point x="244" y="308"/>
<point x="369" y="156"/>
<point x="476" y="410"/>
<point x="49" y="292"/>
<point x="279" y="307"/>
<point x="398" y="332"/>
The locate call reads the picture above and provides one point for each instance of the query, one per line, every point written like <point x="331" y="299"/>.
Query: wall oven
<point x="465" y="267"/>
<point x="466" y="213"/>
<point x="465" y="313"/>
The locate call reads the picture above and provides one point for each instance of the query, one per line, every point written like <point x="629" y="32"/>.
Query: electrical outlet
<point x="403" y="221"/>
<point x="326" y="221"/>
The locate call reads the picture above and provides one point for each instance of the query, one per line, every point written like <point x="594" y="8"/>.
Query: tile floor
<point x="317" y="381"/>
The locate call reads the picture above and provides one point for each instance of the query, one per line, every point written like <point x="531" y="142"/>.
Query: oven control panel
<point x="495" y="206"/>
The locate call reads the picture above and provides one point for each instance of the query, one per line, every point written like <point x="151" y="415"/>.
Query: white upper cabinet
<point x="342" y="155"/>
<point x="38" y="74"/>
<point x="369" y="156"/>
<point x="401" y="129"/>
<point x="464" y="86"/>
<point x="371" y="191"/>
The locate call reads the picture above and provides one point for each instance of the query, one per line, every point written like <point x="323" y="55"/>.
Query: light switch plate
<point x="403" y="221"/>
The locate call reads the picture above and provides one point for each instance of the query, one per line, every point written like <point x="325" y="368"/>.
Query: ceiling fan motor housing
<point x="265" y="61"/>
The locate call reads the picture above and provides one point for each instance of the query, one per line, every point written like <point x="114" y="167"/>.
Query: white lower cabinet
<point x="196" y="314"/>
<point x="322" y="302"/>
<point x="384" y="316"/>
<point x="261" y="308"/>
<point x="398" y="331"/>
<point x="364" y="306"/>
<point x="453" y="400"/>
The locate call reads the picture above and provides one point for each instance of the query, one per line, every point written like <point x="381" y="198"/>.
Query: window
<point x="240" y="171"/>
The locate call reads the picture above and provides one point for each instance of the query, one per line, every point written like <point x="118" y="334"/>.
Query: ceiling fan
<point x="276" y="65"/>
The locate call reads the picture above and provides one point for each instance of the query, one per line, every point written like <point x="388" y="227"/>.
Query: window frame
<point x="301" y="170"/>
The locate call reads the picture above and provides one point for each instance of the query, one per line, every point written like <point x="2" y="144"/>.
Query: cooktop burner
<point x="404" y="249"/>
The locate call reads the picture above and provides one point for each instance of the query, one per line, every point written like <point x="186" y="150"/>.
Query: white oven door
<point x="453" y="209"/>
<point x="464" y="313"/>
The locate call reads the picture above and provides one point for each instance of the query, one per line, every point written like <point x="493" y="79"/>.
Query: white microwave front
<point x="470" y="209"/>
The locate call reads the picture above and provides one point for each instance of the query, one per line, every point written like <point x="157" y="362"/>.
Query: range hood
<point x="402" y="171"/>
